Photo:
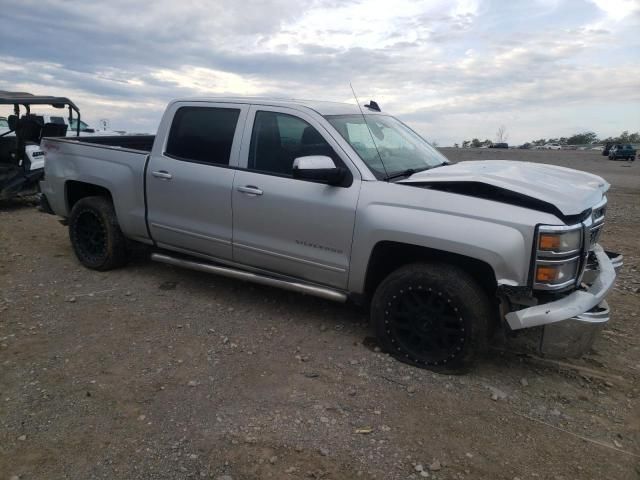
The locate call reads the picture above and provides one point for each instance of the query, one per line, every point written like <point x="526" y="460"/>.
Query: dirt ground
<point x="151" y="372"/>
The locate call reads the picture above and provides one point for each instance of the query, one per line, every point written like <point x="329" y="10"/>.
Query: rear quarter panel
<point x="120" y="171"/>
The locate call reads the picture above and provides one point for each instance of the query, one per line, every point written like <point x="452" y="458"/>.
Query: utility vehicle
<point x="21" y="158"/>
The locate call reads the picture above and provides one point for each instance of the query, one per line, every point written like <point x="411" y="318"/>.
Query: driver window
<point x="278" y="139"/>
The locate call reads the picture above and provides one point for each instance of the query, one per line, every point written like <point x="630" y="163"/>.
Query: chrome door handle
<point x="162" y="174"/>
<point x="250" y="190"/>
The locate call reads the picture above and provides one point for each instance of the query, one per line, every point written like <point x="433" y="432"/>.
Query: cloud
<point x="618" y="9"/>
<point x="454" y="68"/>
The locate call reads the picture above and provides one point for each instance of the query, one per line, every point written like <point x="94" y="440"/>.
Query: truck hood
<point x="569" y="191"/>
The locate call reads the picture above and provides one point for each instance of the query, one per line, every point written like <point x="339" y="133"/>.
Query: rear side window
<point x="57" y="120"/>
<point x="203" y="134"/>
<point x="278" y="139"/>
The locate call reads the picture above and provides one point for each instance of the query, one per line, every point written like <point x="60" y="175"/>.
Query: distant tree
<point x="589" y="137"/>
<point x="434" y="143"/>
<point x="560" y="140"/>
<point x="466" y="144"/>
<point x="501" y="134"/>
<point x="624" y="137"/>
<point x="582" y="138"/>
<point x="475" y="143"/>
<point x="455" y="145"/>
<point x="486" y="142"/>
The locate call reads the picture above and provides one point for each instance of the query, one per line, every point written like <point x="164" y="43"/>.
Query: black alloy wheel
<point x="433" y="316"/>
<point x="427" y="327"/>
<point x="95" y="234"/>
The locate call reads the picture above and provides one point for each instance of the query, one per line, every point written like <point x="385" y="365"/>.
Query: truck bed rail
<point x="139" y="143"/>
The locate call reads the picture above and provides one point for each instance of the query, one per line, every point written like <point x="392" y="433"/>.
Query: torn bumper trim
<point x="582" y="305"/>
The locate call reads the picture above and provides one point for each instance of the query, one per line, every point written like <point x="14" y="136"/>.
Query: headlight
<point x="554" y="241"/>
<point x="558" y="256"/>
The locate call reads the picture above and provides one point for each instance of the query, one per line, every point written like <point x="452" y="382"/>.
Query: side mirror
<point x="318" y="168"/>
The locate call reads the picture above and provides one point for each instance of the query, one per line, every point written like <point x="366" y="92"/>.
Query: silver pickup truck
<point x="348" y="203"/>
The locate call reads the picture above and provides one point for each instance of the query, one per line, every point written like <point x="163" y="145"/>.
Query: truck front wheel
<point x="434" y="316"/>
<point x="95" y="234"/>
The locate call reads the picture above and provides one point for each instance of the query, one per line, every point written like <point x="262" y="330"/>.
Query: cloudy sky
<point x="452" y="69"/>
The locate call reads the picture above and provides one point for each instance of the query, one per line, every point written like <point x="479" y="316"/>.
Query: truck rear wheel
<point x="95" y="234"/>
<point x="433" y="316"/>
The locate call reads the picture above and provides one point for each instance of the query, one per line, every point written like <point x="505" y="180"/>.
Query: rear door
<point x="189" y="179"/>
<point x="291" y="226"/>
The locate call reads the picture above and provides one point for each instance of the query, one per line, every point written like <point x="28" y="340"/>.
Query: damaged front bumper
<point x="572" y="322"/>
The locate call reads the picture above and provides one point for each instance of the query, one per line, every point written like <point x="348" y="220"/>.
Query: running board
<point x="300" y="287"/>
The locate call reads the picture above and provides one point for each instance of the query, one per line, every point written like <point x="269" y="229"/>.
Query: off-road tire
<point x="433" y="316"/>
<point x="95" y="234"/>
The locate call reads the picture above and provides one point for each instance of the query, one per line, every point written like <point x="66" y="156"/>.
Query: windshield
<point x="401" y="149"/>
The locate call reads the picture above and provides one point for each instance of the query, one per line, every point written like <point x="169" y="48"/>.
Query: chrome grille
<point x="593" y="228"/>
<point x="597" y="222"/>
<point x="595" y="235"/>
<point x="598" y="212"/>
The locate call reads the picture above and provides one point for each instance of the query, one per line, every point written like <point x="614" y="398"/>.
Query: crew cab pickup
<point x="348" y="203"/>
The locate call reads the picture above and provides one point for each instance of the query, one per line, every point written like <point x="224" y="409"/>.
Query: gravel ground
<point x="151" y="372"/>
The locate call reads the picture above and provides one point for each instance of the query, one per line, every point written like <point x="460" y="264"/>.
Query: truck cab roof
<point x="322" y="107"/>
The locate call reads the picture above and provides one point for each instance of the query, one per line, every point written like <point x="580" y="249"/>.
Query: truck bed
<point x="115" y="163"/>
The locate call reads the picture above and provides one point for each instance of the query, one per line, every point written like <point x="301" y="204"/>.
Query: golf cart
<point x="21" y="159"/>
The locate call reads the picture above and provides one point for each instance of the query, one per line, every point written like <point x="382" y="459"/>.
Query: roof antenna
<point x="386" y="174"/>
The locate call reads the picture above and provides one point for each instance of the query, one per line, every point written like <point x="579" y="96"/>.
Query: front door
<point x="189" y="181"/>
<point x="285" y="225"/>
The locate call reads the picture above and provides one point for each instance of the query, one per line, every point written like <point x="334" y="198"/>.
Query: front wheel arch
<point x="387" y="256"/>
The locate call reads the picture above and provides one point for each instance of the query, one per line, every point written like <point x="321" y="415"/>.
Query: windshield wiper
<point x="406" y="173"/>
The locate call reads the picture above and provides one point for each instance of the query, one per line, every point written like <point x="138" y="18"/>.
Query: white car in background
<point x="552" y="146"/>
